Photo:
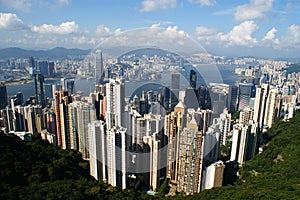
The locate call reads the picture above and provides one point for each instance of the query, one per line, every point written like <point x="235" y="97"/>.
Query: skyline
<point x="245" y="28"/>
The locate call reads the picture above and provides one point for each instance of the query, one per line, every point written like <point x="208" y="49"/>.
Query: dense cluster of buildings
<point x="172" y="134"/>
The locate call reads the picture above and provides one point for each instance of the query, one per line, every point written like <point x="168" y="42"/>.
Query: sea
<point x="205" y="74"/>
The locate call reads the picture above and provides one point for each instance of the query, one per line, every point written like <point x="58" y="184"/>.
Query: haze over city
<point x="235" y="28"/>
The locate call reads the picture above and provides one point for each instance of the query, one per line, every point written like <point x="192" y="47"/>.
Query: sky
<point x="263" y="28"/>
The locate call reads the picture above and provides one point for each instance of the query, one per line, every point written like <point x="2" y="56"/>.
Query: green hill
<point x="35" y="170"/>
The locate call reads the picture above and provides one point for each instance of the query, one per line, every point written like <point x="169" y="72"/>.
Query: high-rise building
<point x="99" y="68"/>
<point x="245" y="93"/>
<point x="190" y="160"/>
<point x="3" y="96"/>
<point x="193" y="79"/>
<point x="81" y="113"/>
<point x="116" y="157"/>
<point x="97" y="150"/>
<point x="62" y="101"/>
<point x="213" y="175"/>
<point x="244" y="142"/>
<point x="260" y="104"/>
<point x="175" y="86"/>
<point x="174" y="124"/>
<point x="271" y="109"/>
<point x="115" y="103"/>
<point x="155" y="157"/>
<point x="40" y="96"/>
<point x="31" y="63"/>
<point x="225" y="126"/>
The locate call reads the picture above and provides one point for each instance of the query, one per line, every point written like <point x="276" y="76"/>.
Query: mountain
<point x="55" y="53"/>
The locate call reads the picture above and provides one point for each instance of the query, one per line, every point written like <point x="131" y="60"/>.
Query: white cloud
<point x="21" y="5"/>
<point x="292" y="37"/>
<point x="10" y="22"/>
<point x="62" y="29"/>
<point x="256" y="9"/>
<point x="240" y="35"/>
<point x="154" y="5"/>
<point x="206" y="35"/>
<point x="62" y="2"/>
<point x="270" y="38"/>
<point x="102" y="31"/>
<point x="204" y="2"/>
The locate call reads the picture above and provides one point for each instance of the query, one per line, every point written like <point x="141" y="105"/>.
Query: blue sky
<point x="268" y="28"/>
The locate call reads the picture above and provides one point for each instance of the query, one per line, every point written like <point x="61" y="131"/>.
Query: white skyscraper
<point x="213" y="175"/>
<point x="97" y="150"/>
<point x="116" y="157"/>
<point x="115" y="96"/>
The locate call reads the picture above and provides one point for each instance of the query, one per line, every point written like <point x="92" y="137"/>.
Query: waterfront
<point x="86" y="85"/>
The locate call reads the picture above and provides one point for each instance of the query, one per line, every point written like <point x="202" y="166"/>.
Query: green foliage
<point x="35" y="170"/>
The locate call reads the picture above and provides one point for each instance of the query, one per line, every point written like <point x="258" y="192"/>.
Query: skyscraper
<point x="40" y="97"/>
<point x="115" y="103"/>
<point x="174" y="124"/>
<point x="193" y="79"/>
<point x="116" y="157"/>
<point x="99" y="68"/>
<point x="175" y="86"/>
<point x="3" y="96"/>
<point x="190" y="159"/>
<point x="245" y="93"/>
<point x="97" y="150"/>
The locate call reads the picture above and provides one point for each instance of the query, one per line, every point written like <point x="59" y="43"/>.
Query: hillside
<point x="35" y="170"/>
<point x="55" y="53"/>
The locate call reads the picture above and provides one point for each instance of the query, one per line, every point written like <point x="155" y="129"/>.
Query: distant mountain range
<point x="55" y="53"/>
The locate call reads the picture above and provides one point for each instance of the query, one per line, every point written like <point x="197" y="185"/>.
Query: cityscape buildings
<point x="176" y="132"/>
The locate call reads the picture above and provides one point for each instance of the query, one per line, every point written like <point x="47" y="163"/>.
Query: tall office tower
<point x="31" y="63"/>
<point x="115" y="103"/>
<point x="174" y="124"/>
<point x="81" y="114"/>
<point x="43" y="67"/>
<point x="225" y="126"/>
<point x="99" y="68"/>
<point x="245" y="93"/>
<point x="193" y="79"/>
<point x="233" y="98"/>
<point x="154" y="157"/>
<point x="175" y="86"/>
<point x="62" y="101"/>
<point x="246" y="115"/>
<point x="191" y="99"/>
<point x="51" y="69"/>
<point x="116" y="157"/>
<point x="97" y="150"/>
<point x="213" y="175"/>
<point x="244" y="142"/>
<point x="166" y="94"/>
<point x="3" y="96"/>
<point x="40" y="96"/>
<point x="190" y="159"/>
<point x="68" y="84"/>
<point x="260" y="104"/>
